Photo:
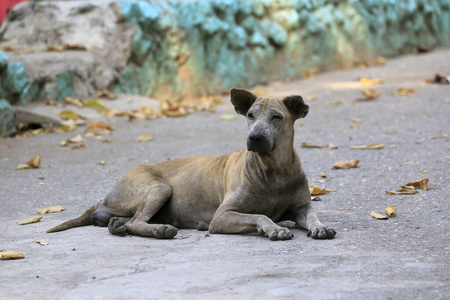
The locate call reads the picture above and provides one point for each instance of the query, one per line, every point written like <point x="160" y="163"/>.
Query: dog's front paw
<point x="117" y="226"/>
<point x="164" y="231"/>
<point x="321" y="233"/>
<point x="278" y="233"/>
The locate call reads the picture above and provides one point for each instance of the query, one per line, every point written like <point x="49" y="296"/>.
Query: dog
<point x="246" y="191"/>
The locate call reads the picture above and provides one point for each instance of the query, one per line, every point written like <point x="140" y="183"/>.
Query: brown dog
<point x="241" y="192"/>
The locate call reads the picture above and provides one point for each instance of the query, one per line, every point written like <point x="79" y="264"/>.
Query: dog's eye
<point x="250" y="116"/>
<point x="276" y="118"/>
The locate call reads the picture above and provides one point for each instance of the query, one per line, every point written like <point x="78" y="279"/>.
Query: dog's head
<point x="269" y="118"/>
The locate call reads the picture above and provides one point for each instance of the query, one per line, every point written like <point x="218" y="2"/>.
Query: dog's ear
<point x="296" y="106"/>
<point x="242" y="100"/>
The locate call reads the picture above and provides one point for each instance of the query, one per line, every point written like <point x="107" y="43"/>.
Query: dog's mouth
<point x="261" y="147"/>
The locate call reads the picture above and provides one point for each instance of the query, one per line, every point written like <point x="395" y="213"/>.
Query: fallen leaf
<point x="315" y="191"/>
<point x="335" y="103"/>
<point x="106" y="94"/>
<point x="309" y="145"/>
<point x="369" y="94"/>
<point x="78" y="146"/>
<point x="98" y="128"/>
<point x="439" y="137"/>
<point x="77" y="102"/>
<point x="366" y="81"/>
<point x="145" y="112"/>
<point x="101" y="163"/>
<point x="11" y="255"/>
<point x="64" y="47"/>
<point x="35" y="162"/>
<point x="353" y="126"/>
<point x="378" y="216"/>
<point x="315" y="198"/>
<point x="311" y="97"/>
<point x="172" y="110"/>
<point x="439" y="79"/>
<point x="23" y="167"/>
<point x="390" y="211"/>
<point x="144" y="138"/>
<point x="95" y="103"/>
<point x="422" y="184"/>
<point x="51" y="209"/>
<point x="76" y="140"/>
<point x="323" y="175"/>
<point x="380" y="60"/>
<point x="371" y="146"/>
<point x="402" y="192"/>
<point x="348" y="164"/>
<point x="30" y="220"/>
<point x="69" y="115"/>
<point x="41" y="242"/>
<point x="356" y="120"/>
<point x="23" y="51"/>
<point x="6" y="48"/>
<point x="228" y="117"/>
<point x="403" y="92"/>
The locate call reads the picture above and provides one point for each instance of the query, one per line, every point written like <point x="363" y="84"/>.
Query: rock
<point x="8" y="122"/>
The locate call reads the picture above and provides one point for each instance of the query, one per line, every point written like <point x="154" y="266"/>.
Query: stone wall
<point x="180" y="49"/>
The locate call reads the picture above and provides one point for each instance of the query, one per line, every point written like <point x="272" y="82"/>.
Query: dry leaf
<point x="172" y="110"/>
<point x="30" y="220"/>
<point x="403" y="92"/>
<point x="106" y="94"/>
<point x="144" y="138"/>
<point x="378" y="216"/>
<point x="11" y="255"/>
<point x="35" y="162"/>
<point x="311" y="97"/>
<point x="439" y="137"/>
<point x="77" y="102"/>
<point x="76" y="140"/>
<point x="439" y="79"/>
<point x="23" y="51"/>
<point x="64" y="47"/>
<point x="371" y="146"/>
<point x="335" y="103"/>
<point x="51" y="209"/>
<point x="315" y="198"/>
<point x="101" y="163"/>
<point x="323" y="175"/>
<point x="6" y="48"/>
<point x="23" y="167"/>
<point x="78" y="146"/>
<point x="41" y="242"/>
<point x="346" y="164"/>
<point x="228" y="117"/>
<point x="315" y="191"/>
<point x="309" y="145"/>
<point x="421" y="184"/>
<point x="145" y="112"/>
<point x="390" y="211"/>
<point x="98" y="128"/>
<point x="369" y="94"/>
<point x="366" y="81"/>
<point x="402" y="192"/>
<point x="68" y="115"/>
<point x="356" y="120"/>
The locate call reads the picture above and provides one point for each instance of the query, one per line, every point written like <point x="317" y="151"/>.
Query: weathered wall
<point x="189" y="48"/>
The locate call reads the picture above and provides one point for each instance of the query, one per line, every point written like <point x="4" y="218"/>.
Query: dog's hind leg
<point x="157" y="195"/>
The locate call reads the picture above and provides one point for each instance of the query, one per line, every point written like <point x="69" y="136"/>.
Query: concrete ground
<point x="404" y="257"/>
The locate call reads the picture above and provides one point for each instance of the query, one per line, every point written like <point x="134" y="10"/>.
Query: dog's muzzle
<point x="257" y="142"/>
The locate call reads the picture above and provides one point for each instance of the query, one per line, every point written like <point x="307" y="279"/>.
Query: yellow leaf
<point x="369" y="94"/>
<point x="403" y="92"/>
<point x="95" y="103"/>
<point x="68" y="115"/>
<point x="371" y="146"/>
<point x="390" y="211"/>
<point x="346" y="164"/>
<point x="23" y="167"/>
<point x="309" y="145"/>
<point x="228" y="117"/>
<point x="366" y="81"/>
<point x="30" y="220"/>
<point x="101" y="163"/>
<point x="144" y="138"/>
<point x="378" y="216"/>
<point x="106" y="94"/>
<point x="51" y="209"/>
<point x="76" y="102"/>
<point x="315" y="191"/>
<point x="311" y="97"/>
<point x="11" y="255"/>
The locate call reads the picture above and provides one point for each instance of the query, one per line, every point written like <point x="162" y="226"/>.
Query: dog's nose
<point x="255" y="137"/>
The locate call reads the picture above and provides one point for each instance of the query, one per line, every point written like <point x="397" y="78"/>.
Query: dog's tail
<point x="83" y="220"/>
